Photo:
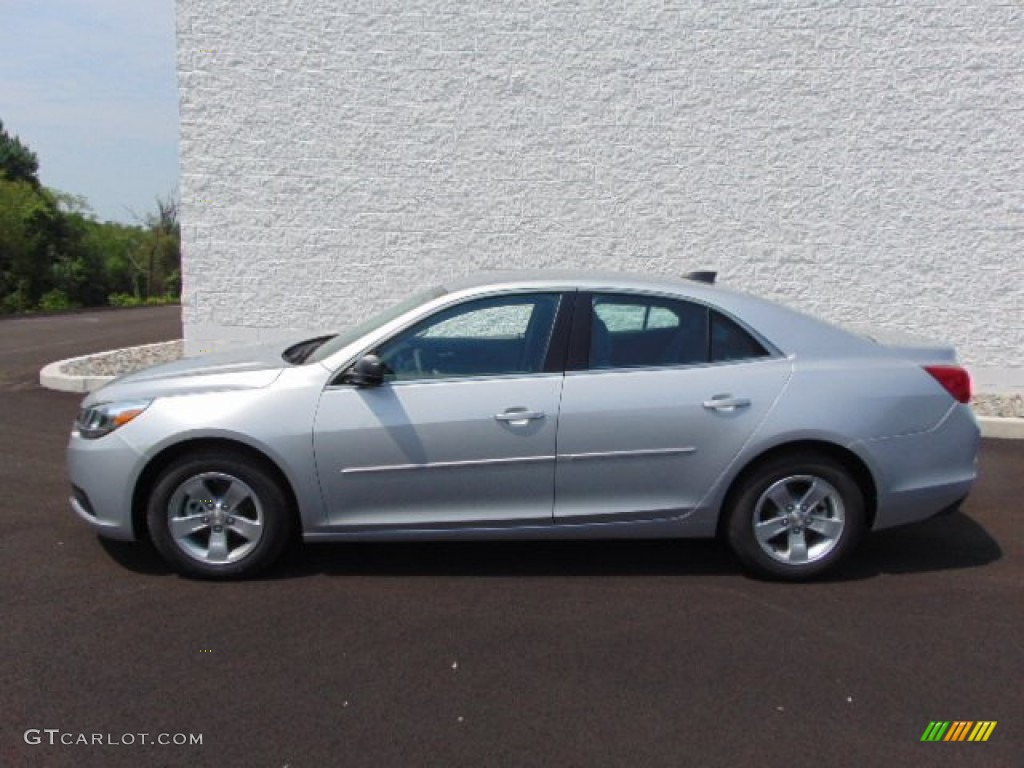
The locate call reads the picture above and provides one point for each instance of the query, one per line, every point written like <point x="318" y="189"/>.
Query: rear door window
<point x="630" y="331"/>
<point x="635" y="331"/>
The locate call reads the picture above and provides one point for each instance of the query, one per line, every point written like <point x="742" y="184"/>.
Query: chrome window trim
<point x="678" y="366"/>
<point x="453" y="379"/>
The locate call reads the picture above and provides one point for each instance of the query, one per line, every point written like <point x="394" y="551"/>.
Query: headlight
<point x="104" y="418"/>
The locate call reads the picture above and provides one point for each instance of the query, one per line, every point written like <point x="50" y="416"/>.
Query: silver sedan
<point x="535" y="405"/>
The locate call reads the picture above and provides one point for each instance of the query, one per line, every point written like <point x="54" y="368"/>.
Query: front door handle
<point x="518" y="416"/>
<point x="726" y="403"/>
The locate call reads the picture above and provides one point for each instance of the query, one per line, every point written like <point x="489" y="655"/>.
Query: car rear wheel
<point x="795" y="517"/>
<point x="218" y="516"/>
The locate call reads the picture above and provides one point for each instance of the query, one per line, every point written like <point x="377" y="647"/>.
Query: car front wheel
<point x="795" y="517"/>
<point x="218" y="516"/>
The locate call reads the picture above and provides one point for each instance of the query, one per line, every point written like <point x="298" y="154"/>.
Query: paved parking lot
<point x="533" y="654"/>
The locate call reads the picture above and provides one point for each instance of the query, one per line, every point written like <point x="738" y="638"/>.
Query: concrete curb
<point x="54" y="377"/>
<point x="1000" y="428"/>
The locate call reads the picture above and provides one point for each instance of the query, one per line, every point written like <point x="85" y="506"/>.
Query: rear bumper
<point x="921" y="475"/>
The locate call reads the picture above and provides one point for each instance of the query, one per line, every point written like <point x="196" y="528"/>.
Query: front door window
<point x="497" y="336"/>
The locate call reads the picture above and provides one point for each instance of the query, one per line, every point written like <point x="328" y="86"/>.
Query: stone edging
<point x="1001" y="428"/>
<point x="89" y="372"/>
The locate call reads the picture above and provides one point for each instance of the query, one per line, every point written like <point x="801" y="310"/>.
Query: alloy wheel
<point x="215" y="518"/>
<point x="799" y="519"/>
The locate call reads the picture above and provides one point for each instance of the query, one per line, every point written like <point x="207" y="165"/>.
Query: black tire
<point x="764" y="531"/>
<point x="237" y="508"/>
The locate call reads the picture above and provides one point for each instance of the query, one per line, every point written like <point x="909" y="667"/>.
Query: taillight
<point x="953" y="379"/>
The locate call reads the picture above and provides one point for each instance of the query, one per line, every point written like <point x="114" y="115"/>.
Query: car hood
<point x="245" y="368"/>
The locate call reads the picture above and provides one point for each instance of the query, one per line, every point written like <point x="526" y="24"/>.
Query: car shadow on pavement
<point x="944" y="543"/>
<point x="512" y="558"/>
<point x="469" y="558"/>
<point x="949" y="542"/>
<point x="139" y="557"/>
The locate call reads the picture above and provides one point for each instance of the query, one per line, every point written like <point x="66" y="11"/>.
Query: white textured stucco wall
<point x="863" y="161"/>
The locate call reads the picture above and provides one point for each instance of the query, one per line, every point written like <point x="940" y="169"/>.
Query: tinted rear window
<point x="731" y="342"/>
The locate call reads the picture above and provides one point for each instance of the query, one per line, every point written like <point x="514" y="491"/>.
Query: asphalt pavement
<point x="532" y="654"/>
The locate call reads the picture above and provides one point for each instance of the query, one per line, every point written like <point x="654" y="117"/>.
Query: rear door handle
<point x="518" y="416"/>
<point x="726" y="403"/>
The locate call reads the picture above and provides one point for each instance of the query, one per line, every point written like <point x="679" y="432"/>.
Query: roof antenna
<point x="702" y="276"/>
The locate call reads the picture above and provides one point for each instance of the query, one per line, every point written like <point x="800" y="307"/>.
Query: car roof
<point x="727" y="299"/>
<point x="584" y="279"/>
<point x="786" y="328"/>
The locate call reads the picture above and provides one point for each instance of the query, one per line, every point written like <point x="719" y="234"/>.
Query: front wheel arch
<point x="156" y="466"/>
<point x="215" y="514"/>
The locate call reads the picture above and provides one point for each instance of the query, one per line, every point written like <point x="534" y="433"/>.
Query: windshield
<point x="350" y="335"/>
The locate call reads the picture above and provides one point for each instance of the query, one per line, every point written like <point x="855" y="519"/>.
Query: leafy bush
<point x="128" y="300"/>
<point x="54" y="301"/>
<point x="123" y="300"/>
<point x="17" y="300"/>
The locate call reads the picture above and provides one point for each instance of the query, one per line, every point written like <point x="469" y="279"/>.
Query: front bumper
<point x="103" y="474"/>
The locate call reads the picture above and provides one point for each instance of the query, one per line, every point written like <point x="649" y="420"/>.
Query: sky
<point x="90" y="86"/>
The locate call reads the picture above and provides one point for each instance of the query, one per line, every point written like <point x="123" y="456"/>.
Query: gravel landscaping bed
<point x="122" y="361"/>
<point x="1005" y="406"/>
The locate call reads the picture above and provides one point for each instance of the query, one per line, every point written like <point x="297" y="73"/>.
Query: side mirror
<point x="367" y="371"/>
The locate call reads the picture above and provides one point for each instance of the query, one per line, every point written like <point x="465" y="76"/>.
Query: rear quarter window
<point x="730" y="341"/>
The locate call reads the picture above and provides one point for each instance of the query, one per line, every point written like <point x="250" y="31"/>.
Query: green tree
<point x="17" y="161"/>
<point x="158" y="262"/>
<point x="54" y="254"/>
<point x="118" y="246"/>
<point x="78" y="270"/>
<point x="23" y="211"/>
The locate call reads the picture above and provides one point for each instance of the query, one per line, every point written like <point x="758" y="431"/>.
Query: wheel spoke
<point x="196" y="489"/>
<point x="797" y="546"/>
<point x="766" y="530"/>
<point x="816" y="494"/>
<point x="782" y="497"/>
<point x="249" y="530"/>
<point x="828" y="527"/>
<point x="217" y="552"/>
<point x="235" y="495"/>
<point x="182" y="527"/>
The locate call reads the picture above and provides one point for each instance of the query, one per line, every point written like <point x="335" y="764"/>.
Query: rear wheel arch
<point x="849" y="460"/>
<point x="154" y="469"/>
